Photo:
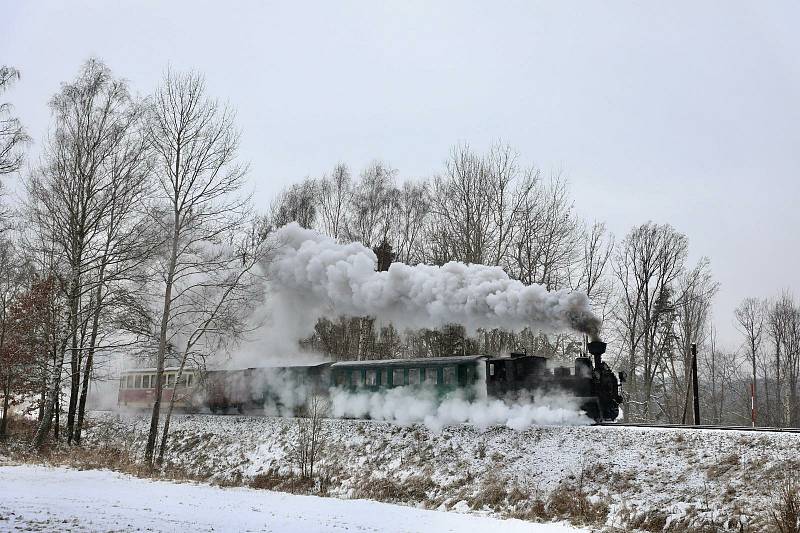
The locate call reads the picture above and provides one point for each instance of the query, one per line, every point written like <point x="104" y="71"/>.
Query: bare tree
<point x="297" y="203"/>
<point x="215" y="312"/>
<point x="648" y="262"/>
<point x="334" y="196"/>
<point x="750" y="322"/>
<point x="12" y="134"/>
<point x="372" y="204"/>
<point x="71" y="194"/>
<point x="311" y="435"/>
<point x="695" y="290"/>
<point x="199" y="185"/>
<point x="412" y="209"/>
<point x="477" y="205"/>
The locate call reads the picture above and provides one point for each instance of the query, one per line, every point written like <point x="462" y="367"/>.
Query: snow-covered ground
<point x="646" y="478"/>
<point x="37" y="498"/>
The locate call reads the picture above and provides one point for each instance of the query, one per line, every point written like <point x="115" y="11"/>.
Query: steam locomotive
<point x="590" y="381"/>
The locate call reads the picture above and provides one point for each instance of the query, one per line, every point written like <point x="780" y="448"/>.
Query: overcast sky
<point x="679" y="112"/>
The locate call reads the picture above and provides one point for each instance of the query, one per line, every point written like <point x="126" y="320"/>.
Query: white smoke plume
<point x="406" y="405"/>
<point x="311" y="273"/>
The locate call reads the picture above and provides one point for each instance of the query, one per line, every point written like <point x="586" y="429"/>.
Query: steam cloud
<point x="406" y="405"/>
<point x="312" y="273"/>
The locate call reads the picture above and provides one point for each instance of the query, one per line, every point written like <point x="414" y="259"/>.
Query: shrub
<point x="786" y="514"/>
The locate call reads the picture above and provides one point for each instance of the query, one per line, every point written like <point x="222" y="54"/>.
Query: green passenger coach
<point x="444" y="374"/>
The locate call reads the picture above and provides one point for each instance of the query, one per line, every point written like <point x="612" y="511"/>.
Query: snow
<point x="710" y="478"/>
<point x="58" y="499"/>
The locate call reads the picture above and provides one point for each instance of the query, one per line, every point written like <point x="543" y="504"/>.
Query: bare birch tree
<point x="72" y="192"/>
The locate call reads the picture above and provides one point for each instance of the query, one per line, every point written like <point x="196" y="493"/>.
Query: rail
<point x="701" y="427"/>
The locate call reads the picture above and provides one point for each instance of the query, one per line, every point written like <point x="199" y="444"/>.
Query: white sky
<point x="683" y="112"/>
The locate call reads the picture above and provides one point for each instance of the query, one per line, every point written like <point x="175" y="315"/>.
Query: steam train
<point x="590" y="381"/>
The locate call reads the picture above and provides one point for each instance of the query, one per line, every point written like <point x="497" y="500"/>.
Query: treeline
<point x="134" y="236"/>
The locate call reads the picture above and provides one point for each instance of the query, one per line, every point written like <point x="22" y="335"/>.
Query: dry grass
<point x="289" y="482"/>
<point x="413" y="489"/>
<point x="786" y="512"/>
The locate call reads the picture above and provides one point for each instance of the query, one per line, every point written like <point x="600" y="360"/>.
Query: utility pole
<point x="694" y="386"/>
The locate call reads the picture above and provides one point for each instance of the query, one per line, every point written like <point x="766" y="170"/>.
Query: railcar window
<point x="449" y="375"/>
<point x="356" y="379"/>
<point x="413" y="376"/>
<point x="130" y="382"/>
<point x="146" y="382"/>
<point x="372" y="378"/>
<point x="398" y="377"/>
<point x="339" y="378"/>
<point x="491" y="369"/>
<point x="430" y="376"/>
<point x="170" y="380"/>
<point x="122" y="383"/>
<point x="384" y="377"/>
<point x="189" y="380"/>
<point x="138" y="384"/>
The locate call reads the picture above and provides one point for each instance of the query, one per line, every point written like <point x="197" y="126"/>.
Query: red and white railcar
<point x="137" y="388"/>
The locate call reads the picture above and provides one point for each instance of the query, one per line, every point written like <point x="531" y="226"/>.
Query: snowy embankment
<point x="35" y="498"/>
<point x="634" y="477"/>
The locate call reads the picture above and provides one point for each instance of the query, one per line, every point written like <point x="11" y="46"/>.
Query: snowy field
<point x="37" y="498"/>
<point x="646" y="478"/>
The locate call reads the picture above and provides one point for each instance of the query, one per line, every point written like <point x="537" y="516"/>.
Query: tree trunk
<point x="87" y="369"/>
<point x="168" y="417"/>
<point x="75" y="363"/>
<point x="162" y="344"/>
<point x="51" y="403"/>
<point x="6" y="394"/>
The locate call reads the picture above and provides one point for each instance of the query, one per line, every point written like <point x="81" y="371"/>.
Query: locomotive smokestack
<point x="597" y="349"/>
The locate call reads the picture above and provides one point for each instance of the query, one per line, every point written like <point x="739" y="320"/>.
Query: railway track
<point x="701" y="427"/>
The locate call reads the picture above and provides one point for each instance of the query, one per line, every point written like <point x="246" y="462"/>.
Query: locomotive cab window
<point x="491" y="369"/>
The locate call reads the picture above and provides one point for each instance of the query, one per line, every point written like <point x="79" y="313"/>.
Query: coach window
<point x="491" y="369"/>
<point x="398" y="377"/>
<point x="122" y="383"/>
<point x="189" y="380"/>
<point x="356" y="378"/>
<point x="138" y="383"/>
<point x="372" y="378"/>
<point x="430" y="376"/>
<point x="339" y="378"/>
<point x="146" y="381"/>
<point x="129" y="385"/>
<point x="170" y="379"/>
<point x="449" y="375"/>
<point x="413" y="376"/>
